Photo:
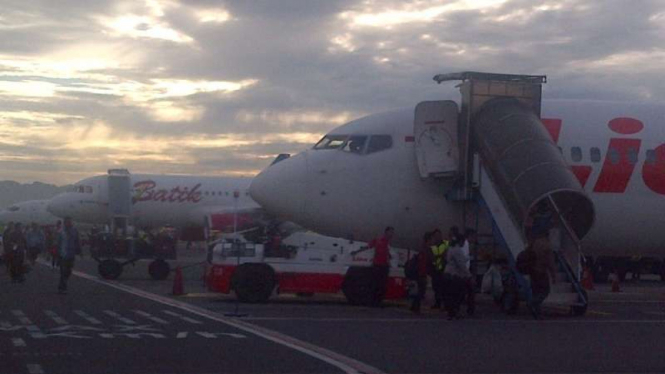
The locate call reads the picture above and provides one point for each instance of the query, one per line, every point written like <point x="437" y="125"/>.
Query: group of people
<point x="19" y="244"/>
<point x="447" y="261"/>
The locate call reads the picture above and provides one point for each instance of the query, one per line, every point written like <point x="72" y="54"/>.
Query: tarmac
<point x="134" y="325"/>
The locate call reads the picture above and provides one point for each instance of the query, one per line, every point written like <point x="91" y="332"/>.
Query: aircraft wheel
<point x="110" y="269"/>
<point x="358" y="286"/>
<point x="159" y="269"/>
<point x="253" y="283"/>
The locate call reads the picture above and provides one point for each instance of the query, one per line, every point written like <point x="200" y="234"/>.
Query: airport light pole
<point x="236" y="245"/>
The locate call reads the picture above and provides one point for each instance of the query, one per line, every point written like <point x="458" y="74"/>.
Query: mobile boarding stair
<point x="510" y="166"/>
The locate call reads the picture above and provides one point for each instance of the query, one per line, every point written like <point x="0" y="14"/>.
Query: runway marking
<point x="22" y="317"/>
<point x="655" y="313"/>
<point x="344" y="363"/>
<point x="35" y="369"/>
<point x="18" y="342"/>
<point x="151" y="317"/>
<point x="214" y="335"/>
<point x="54" y="316"/>
<point x="184" y="318"/>
<point x="88" y="317"/>
<point x="119" y="317"/>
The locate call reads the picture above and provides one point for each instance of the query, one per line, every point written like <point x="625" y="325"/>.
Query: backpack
<point x="525" y="262"/>
<point x="411" y="268"/>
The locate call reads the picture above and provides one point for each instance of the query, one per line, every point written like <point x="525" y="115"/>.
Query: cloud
<point x="212" y="87"/>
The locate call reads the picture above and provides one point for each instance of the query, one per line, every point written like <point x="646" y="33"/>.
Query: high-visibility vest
<point x="439" y="255"/>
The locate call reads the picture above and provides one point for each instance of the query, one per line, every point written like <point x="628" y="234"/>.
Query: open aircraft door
<point x="435" y="132"/>
<point x="120" y="198"/>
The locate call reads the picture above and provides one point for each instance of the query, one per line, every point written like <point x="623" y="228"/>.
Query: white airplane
<point x="161" y="200"/>
<point x="364" y="175"/>
<point x="27" y="212"/>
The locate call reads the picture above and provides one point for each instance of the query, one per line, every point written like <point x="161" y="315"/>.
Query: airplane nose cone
<point x="280" y="189"/>
<point x="59" y="206"/>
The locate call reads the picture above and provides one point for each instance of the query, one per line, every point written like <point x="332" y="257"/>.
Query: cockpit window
<point x="379" y="143"/>
<point x="355" y="144"/>
<point x="331" y="142"/>
<point x="13" y="208"/>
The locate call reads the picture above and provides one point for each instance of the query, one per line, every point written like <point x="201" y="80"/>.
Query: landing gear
<point x="359" y="286"/>
<point x="109" y="269"/>
<point x="159" y="269"/>
<point x="253" y="283"/>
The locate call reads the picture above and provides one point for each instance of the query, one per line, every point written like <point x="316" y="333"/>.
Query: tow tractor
<point x="304" y="263"/>
<point x="114" y="252"/>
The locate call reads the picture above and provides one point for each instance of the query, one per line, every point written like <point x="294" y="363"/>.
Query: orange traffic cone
<point x="615" y="282"/>
<point x="178" y="286"/>
<point x="587" y="279"/>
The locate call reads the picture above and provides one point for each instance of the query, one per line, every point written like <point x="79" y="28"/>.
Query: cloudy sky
<point x="220" y="87"/>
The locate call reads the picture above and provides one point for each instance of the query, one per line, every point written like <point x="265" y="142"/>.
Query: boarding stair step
<point x="561" y="277"/>
<point x="562" y="299"/>
<point x="562" y="287"/>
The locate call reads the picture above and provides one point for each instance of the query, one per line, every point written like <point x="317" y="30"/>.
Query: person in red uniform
<point x="381" y="263"/>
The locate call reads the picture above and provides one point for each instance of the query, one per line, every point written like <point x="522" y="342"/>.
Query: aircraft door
<point x="435" y="132"/>
<point x="120" y="199"/>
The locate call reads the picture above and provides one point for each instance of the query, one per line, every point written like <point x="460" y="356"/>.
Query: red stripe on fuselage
<point x="625" y="125"/>
<point x="553" y="126"/>
<point x="615" y="174"/>
<point x="653" y="173"/>
<point x="582" y="173"/>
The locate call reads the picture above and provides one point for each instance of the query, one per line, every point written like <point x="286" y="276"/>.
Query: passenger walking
<point x="5" y="243"/>
<point x="438" y="258"/>
<point x="52" y="240"/>
<point x="422" y="265"/>
<point x="537" y="261"/>
<point x="36" y="241"/>
<point x="68" y="246"/>
<point x="456" y="277"/>
<point x="381" y="263"/>
<point x="15" y="248"/>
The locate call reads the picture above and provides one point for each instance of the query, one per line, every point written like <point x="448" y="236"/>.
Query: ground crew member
<point x="470" y="238"/>
<point x="381" y="263"/>
<point x="438" y="257"/>
<point x="422" y="265"/>
<point x="68" y="246"/>
<point x="456" y="276"/>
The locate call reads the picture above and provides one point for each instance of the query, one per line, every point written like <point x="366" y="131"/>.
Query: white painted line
<point x="18" y="342"/>
<point x="35" y="369"/>
<point x="22" y="317"/>
<point x="54" y="316"/>
<point x="184" y="318"/>
<point x="119" y="317"/>
<point x="344" y="363"/>
<point x="88" y="317"/>
<point x="151" y="317"/>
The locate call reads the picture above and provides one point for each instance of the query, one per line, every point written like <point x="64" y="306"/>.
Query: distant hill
<point x="13" y="192"/>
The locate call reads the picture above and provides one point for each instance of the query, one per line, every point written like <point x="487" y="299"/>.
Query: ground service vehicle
<point x="113" y="252"/>
<point x="304" y="263"/>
